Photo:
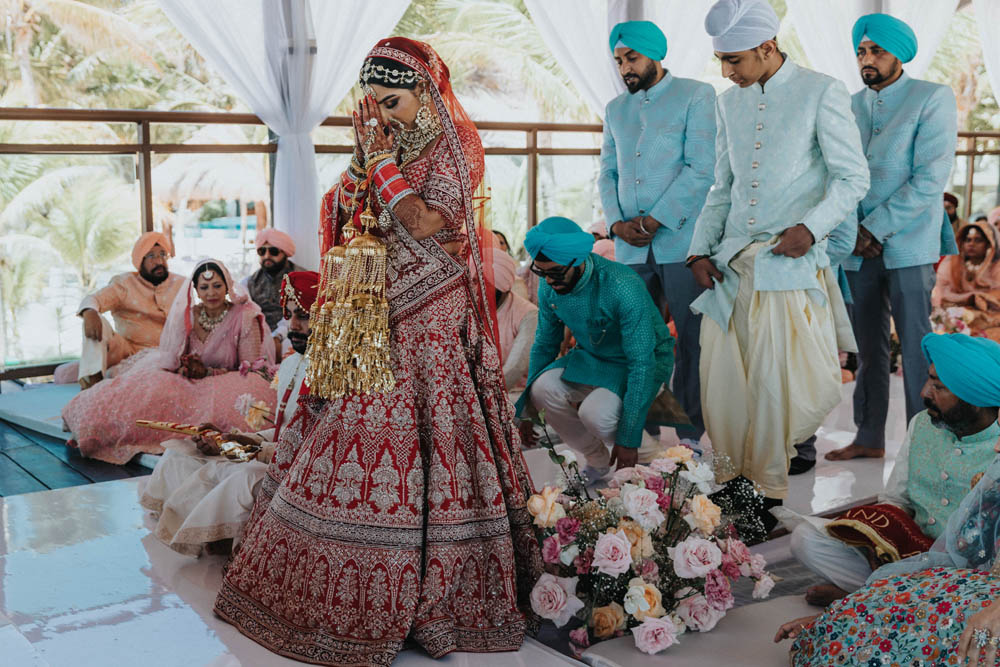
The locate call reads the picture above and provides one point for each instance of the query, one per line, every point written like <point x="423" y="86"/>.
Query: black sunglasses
<point x="272" y="250"/>
<point x="555" y="274"/>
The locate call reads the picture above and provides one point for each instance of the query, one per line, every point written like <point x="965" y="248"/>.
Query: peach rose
<point x="705" y="515"/>
<point x="608" y="620"/>
<point x="678" y="453"/>
<point x="640" y="541"/>
<point x="545" y="508"/>
<point x="653" y="598"/>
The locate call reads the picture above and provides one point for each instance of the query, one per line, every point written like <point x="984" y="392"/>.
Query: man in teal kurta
<point x="946" y="446"/>
<point x="599" y="393"/>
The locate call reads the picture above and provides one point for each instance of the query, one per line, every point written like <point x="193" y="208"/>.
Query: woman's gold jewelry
<point x="426" y="128"/>
<point x="209" y="323"/>
<point x="981" y="636"/>
<point x="208" y="275"/>
<point x="372" y="122"/>
<point x="383" y="74"/>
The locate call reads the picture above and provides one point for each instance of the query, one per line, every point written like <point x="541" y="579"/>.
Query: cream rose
<point x="695" y="557"/>
<point x="545" y="508"/>
<point x="701" y="475"/>
<point x="555" y="598"/>
<point x="612" y="553"/>
<point x="608" y="620"/>
<point x="705" y="515"/>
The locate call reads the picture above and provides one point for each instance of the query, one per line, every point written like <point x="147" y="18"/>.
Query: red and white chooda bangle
<point x="389" y="182"/>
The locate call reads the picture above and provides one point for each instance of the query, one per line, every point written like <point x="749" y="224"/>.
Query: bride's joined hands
<point x="192" y="367"/>
<point x="371" y="131"/>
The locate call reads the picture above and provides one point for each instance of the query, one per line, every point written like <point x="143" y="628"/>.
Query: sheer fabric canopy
<point x="269" y="52"/>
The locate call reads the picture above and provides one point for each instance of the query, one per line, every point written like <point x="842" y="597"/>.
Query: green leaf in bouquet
<point x="556" y="458"/>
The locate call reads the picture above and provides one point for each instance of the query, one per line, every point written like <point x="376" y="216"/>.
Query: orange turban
<point x="278" y="239"/>
<point x="145" y="244"/>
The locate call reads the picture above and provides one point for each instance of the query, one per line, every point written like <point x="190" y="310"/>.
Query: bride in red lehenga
<point x="396" y="515"/>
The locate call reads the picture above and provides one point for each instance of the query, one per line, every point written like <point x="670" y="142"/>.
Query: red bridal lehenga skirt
<point x="401" y="516"/>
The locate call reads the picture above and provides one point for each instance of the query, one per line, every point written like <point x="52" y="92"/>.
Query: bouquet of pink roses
<point x="651" y="553"/>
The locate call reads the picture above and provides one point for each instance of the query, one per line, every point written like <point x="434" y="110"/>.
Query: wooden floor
<point x="30" y="461"/>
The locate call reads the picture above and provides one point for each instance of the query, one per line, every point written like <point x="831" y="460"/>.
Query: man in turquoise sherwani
<point x="599" y="393"/>
<point x="908" y="130"/>
<point x="656" y="169"/>
<point x="789" y="170"/>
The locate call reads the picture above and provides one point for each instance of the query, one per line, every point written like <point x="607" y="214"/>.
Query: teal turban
<point x="559" y="239"/>
<point x="969" y="367"/>
<point x="888" y="32"/>
<point x="641" y="36"/>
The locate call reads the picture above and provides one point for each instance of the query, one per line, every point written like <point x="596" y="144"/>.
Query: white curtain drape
<point x="988" y="18"/>
<point x="291" y="61"/>
<point x="576" y="31"/>
<point x="824" y="29"/>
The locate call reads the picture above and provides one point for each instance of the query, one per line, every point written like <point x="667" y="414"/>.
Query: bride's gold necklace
<point x="426" y="128"/>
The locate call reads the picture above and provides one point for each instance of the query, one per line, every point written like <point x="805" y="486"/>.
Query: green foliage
<point x="212" y="210"/>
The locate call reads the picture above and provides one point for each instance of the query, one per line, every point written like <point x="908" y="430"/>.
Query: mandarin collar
<point x="991" y="432"/>
<point x="782" y="76"/>
<point x="655" y="91"/>
<point x="892" y="90"/>
<point x="588" y="271"/>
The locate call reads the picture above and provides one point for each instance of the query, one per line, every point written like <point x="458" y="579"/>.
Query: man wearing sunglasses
<point x="274" y="249"/>
<point x="600" y="392"/>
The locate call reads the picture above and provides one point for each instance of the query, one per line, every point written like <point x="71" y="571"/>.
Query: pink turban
<point x="994" y="216"/>
<point x="503" y="270"/>
<point x="600" y="228"/>
<point x="145" y="244"/>
<point x="605" y="248"/>
<point x="278" y="239"/>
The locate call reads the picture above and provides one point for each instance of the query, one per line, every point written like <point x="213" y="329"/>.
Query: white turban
<point x="741" y="25"/>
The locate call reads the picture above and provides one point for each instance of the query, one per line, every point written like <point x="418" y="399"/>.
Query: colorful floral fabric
<point x="903" y="620"/>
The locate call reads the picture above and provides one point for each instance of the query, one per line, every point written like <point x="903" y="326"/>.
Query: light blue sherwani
<point x="786" y="154"/>
<point x="657" y="160"/>
<point x="908" y="130"/>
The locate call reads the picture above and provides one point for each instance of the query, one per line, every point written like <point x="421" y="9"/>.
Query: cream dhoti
<point x="771" y="379"/>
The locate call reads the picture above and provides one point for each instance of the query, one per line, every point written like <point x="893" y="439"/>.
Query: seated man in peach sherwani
<point x="139" y="302"/>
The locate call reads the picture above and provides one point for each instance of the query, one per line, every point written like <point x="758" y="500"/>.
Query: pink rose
<point x="550" y="549"/>
<point x="695" y="557"/>
<point x="584" y="561"/>
<point x="738" y="551"/>
<point x="612" y="554"/>
<point x="580" y="637"/>
<point x="555" y="598"/>
<point x="718" y="591"/>
<point x="667" y="466"/>
<point x="729" y="567"/>
<point x="568" y="527"/>
<point x="621" y="477"/>
<point x="655" y="483"/>
<point x="763" y="587"/>
<point x="698" y="614"/>
<point x="649" y="570"/>
<point x="641" y="505"/>
<point x="757" y="565"/>
<point x="654" y="635"/>
<point x="663" y="501"/>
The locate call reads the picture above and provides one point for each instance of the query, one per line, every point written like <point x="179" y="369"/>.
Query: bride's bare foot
<point x="854" y="451"/>
<point x="824" y="594"/>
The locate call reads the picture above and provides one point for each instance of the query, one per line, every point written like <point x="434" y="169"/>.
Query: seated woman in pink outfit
<point x="211" y="353"/>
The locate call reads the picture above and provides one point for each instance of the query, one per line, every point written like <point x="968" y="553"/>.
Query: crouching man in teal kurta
<point x="599" y="393"/>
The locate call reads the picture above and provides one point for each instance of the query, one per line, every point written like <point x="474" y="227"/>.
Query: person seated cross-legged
<point x="946" y="447"/>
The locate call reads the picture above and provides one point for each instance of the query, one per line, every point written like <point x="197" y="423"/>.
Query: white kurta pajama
<point x="202" y="499"/>
<point x="786" y="154"/>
